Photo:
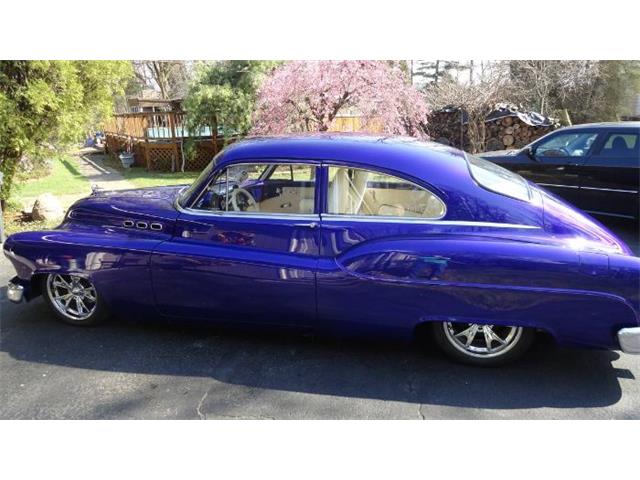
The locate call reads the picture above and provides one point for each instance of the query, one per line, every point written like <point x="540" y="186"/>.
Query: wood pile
<point x="448" y="127"/>
<point x="511" y="132"/>
<point x="507" y="132"/>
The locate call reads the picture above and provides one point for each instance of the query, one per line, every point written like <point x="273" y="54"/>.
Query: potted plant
<point x="126" y="158"/>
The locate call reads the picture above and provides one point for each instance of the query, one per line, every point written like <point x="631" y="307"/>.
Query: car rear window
<point x="497" y="179"/>
<point x="621" y="145"/>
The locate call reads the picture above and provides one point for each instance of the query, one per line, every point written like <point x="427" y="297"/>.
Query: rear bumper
<point x="629" y="339"/>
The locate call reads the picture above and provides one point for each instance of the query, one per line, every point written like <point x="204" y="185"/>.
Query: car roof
<point x="606" y="125"/>
<point x="423" y="160"/>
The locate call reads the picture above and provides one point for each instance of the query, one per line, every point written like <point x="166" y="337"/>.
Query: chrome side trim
<point x="617" y="215"/>
<point x="249" y="215"/>
<point x="423" y="221"/>
<point x="557" y="186"/>
<point x="629" y="339"/>
<point x="615" y="190"/>
<point x="352" y="218"/>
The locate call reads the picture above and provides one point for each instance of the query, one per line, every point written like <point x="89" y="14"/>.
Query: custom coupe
<point x="346" y="235"/>
<point x="595" y="166"/>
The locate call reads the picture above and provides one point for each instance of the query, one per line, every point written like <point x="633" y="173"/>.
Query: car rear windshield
<point x="497" y="179"/>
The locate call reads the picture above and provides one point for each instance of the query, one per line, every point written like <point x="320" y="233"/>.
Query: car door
<point x="362" y="210"/>
<point x="610" y="178"/>
<point x="246" y="250"/>
<point x="558" y="159"/>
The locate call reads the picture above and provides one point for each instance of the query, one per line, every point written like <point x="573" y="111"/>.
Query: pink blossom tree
<point x="306" y="96"/>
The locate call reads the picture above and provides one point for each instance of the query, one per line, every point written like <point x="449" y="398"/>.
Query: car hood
<point x="576" y="229"/>
<point x="113" y="207"/>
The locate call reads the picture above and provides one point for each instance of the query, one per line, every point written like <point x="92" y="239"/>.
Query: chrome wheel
<point x="482" y="341"/>
<point x="73" y="296"/>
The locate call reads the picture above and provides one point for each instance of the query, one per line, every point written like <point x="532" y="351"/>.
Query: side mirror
<point x="531" y="153"/>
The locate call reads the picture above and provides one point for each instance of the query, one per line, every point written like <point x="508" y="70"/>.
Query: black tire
<point x="520" y="342"/>
<point x="98" y="310"/>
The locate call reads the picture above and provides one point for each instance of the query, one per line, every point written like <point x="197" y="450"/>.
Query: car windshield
<point x="497" y="179"/>
<point x="188" y="192"/>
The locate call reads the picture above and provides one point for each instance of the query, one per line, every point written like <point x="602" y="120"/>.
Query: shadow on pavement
<point x="547" y="377"/>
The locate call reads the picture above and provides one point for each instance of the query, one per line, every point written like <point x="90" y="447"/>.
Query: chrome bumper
<point x="15" y="292"/>
<point x="629" y="339"/>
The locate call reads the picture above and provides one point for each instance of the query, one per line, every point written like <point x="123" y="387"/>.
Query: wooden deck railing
<point x="157" y="140"/>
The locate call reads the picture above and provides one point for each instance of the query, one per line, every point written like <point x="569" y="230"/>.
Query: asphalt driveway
<point x="127" y="369"/>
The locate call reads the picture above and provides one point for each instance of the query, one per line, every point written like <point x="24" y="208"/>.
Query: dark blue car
<point x="594" y="166"/>
<point x="346" y="235"/>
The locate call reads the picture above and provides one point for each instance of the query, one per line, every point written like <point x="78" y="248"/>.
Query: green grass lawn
<point x="64" y="179"/>
<point x="141" y="177"/>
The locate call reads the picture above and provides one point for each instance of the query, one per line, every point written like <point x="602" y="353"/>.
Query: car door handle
<point x="311" y="225"/>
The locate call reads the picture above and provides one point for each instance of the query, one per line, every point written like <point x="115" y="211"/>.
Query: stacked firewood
<point x="504" y="133"/>
<point x="511" y="132"/>
<point x="449" y="127"/>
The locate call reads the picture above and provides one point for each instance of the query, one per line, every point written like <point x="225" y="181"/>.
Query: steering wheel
<point x="248" y="203"/>
<point x="556" y="152"/>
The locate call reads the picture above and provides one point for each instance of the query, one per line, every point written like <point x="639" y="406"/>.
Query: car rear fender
<point x="497" y="281"/>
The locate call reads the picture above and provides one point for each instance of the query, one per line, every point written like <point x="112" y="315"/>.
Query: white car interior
<point x="362" y="192"/>
<point x="290" y="188"/>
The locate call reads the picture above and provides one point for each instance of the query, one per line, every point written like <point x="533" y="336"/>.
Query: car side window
<point x="566" y="145"/>
<point x="354" y="191"/>
<point x="261" y="188"/>
<point x="624" y="145"/>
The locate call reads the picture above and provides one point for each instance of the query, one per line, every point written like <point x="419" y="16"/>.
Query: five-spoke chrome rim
<point x="482" y="340"/>
<point x="73" y="296"/>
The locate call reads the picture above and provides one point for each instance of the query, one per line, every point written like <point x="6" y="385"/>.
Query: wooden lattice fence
<point x="157" y="140"/>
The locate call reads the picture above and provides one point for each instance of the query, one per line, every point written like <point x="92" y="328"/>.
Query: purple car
<point x="349" y="236"/>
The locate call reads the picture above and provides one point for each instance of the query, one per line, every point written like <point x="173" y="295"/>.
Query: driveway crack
<point x="420" y="414"/>
<point x="202" y="416"/>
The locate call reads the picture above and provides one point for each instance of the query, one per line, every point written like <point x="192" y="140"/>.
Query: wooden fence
<point x="158" y="140"/>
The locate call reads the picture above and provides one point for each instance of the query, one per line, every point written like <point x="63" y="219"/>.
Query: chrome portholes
<point x="482" y="341"/>
<point x="73" y="296"/>
<point x="156" y="226"/>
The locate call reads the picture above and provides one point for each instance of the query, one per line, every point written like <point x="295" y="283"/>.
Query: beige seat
<point x="391" y="210"/>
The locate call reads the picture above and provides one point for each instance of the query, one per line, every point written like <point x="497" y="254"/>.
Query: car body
<point x="595" y="166"/>
<point x="347" y="235"/>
